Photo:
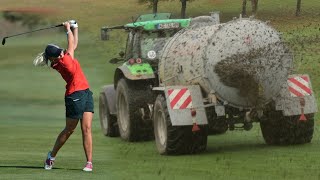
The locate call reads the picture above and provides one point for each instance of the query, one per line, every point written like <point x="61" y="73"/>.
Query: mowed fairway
<point x="32" y="104"/>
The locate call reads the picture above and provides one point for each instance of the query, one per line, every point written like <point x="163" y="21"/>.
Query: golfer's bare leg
<point x="71" y="124"/>
<point x="86" y="134"/>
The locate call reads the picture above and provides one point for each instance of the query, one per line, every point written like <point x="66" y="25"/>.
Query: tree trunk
<point x="155" y="6"/>
<point x="298" y="10"/>
<point x="244" y="8"/>
<point x="183" y="8"/>
<point x="254" y="4"/>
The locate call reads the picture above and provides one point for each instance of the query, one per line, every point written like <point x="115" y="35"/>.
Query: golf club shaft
<point x="35" y="30"/>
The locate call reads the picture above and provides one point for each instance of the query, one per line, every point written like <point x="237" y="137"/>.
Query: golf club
<point x="4" y="39"/>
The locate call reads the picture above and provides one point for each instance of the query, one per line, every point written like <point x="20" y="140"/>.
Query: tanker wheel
<point x="108" y="122"/>
<point x="175" y="139"/>
<point x="130" y="98"/>
<point x="286" y="130"/>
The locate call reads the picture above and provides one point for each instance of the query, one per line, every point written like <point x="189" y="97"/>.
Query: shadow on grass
<point x="237" y="148"/>
<point x="34" y="167"/>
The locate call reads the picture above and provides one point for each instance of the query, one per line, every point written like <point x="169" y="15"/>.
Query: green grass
<point x="32" y="104"/>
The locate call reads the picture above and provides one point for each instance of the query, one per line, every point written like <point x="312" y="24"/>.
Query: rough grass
<point x="32" y="109"/>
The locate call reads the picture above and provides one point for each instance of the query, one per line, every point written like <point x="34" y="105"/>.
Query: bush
<point x="26" y="19"/>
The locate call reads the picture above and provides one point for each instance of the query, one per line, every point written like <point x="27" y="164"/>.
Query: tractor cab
<point x="146" y="37"/>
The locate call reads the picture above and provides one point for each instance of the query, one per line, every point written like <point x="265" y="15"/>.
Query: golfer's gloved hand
<point x="73" y="24"/>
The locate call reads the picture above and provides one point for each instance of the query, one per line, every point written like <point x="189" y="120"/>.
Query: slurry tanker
<point x="181" y="80"/>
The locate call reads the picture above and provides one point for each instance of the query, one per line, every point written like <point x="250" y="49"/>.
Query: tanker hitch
<point x="245" y="118"/>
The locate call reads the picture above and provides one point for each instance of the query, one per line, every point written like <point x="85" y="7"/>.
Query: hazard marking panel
<point x="180" y="98"/>
<point x="299" y="86"/>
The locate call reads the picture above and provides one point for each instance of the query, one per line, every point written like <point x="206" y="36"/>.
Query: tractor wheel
<point x="108" y="122"/>
<point x="130" y="99"/>
<point x="175" y="139"/>
<point x="286" y="130"/>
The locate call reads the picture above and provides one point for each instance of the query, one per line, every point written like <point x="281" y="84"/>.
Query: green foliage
<point x="148" y="2"/>
<point x="12" y="17"/>
<point x="26" y="19"/>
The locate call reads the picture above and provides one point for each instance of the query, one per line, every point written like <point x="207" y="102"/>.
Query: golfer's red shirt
<point x="71" y="72"/>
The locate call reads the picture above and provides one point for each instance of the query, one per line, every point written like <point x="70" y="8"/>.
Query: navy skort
<point x="79" y="102"/>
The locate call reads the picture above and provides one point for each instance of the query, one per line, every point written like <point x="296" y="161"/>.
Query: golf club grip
<point x="59" y="25"/>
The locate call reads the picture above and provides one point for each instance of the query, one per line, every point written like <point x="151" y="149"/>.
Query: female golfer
<point x="78" y="97"/>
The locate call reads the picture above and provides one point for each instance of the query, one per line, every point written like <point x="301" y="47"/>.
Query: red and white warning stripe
<point x="180" y="98"/>
<point x="299" y="86"/>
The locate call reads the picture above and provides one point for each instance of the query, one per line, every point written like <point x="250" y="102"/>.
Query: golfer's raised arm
<point x="75" y="35"/>
<point x="70" y="36"/>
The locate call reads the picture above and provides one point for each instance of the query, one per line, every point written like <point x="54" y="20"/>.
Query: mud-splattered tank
<point x="184" y="78"/>
<point x="243" y="62"/>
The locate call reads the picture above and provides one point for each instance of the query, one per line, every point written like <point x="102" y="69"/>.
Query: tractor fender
<point x="110" y="93"/>
<point x="128" y="71"/>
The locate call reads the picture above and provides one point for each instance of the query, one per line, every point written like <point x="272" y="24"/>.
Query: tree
<point x="151" y="3"/>
<point x="154" y="5"/>
<point x="298" y="10"/>
<point x="244" y="8"/>
<point x="183" y="8"/>
<point x="254" y="4"/>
